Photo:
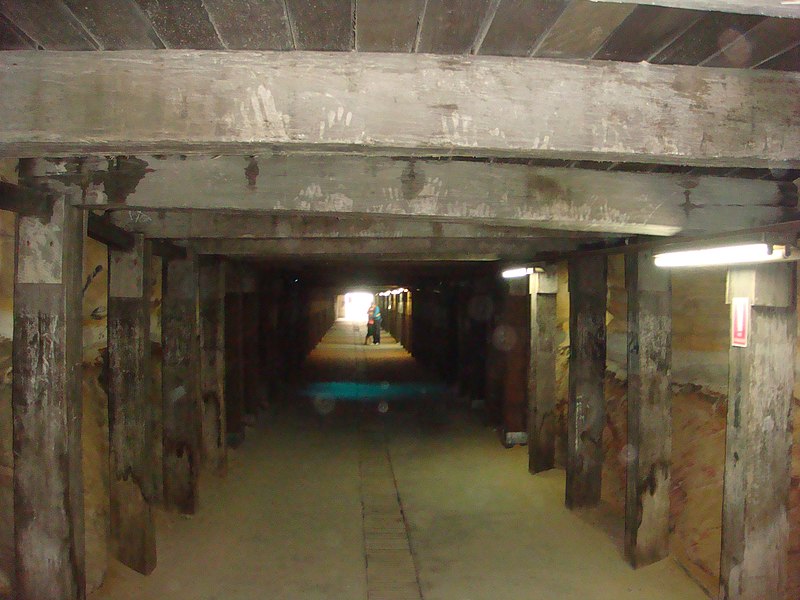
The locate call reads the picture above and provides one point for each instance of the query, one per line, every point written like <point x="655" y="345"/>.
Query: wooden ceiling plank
<point x="706" y="37"/>
<point x="519" y="24"/>
<point x="164" y="101"/>
<point x="451" y="26"/>
<point x="49" y="23"/>
<point x="582" y="29"/>
<point x="119" y="25"/>
<point x="12" y="38"/>
<point x="787" y="61"/>
<point x="763" y="42"/>
<point x="251" y="24"/>
<point x="775" y="8"/>
<point x="645" y="32"/>
<point x="468" y="192"/>
<point x="387" y="25"/>
<point x="322" y="24"/>
<point x="182" y="24"/>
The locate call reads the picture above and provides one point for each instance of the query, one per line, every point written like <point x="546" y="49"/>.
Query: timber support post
<point x="130" y="431"/>
<point x="251" y="326"/>
<point x="513" y="342"/>
<point x="180" y="384"/>
<point x="586" y="416"/>
<point x="649" y="447"/>
<point x="542" y="430"/>
<point x="755" y="526"/>
<point x="212" y="361"/>
<point x="234" y="357"/>
<point x="46" y="398"/>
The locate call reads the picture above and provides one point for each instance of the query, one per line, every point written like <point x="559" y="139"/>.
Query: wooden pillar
<point x="755" y="527"/>
<point x="129" y="425"/>
<point x="212" y="362"/>
<point x="46" y="400"/>
<point x="649" y="448"/>
<point x="514" y="345"/>
<point x="250" y="324"/>
<point x="542" y="430"/>
<point x="234" y="364"/>
<point x="587" y="363"/>
<point x="180" y="384"/>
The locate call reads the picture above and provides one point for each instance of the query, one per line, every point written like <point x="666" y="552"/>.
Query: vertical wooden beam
<point x="587" y="363"/>
<point x="755" y="527"/>
<point x="649" y="410"/>
<point x="234" y="355"/>
<point x="250" y="322"/>
<point x="514" y="344"/>
<point x="46" y="401"/>
<point x="542" y="430"/>
<point x="130" y="430"/>
<point x="212" y="362"/>
<point x="180" y="384"/>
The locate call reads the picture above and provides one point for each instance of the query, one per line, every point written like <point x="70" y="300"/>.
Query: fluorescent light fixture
<point x="724" y="255"/>
<point x="513" y="273"/>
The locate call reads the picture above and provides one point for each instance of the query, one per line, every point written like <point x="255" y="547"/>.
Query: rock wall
<point x="95" y="412"/>
<point x="699" y="408"/>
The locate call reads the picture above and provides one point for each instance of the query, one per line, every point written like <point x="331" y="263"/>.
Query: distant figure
<point x="376" y="325"/>
<point x="373" y="324"/>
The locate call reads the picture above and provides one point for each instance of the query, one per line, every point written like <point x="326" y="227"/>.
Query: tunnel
<point x="399" y="299"/>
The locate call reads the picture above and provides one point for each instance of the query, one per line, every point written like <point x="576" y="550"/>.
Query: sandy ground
<point x="286" y="523"/>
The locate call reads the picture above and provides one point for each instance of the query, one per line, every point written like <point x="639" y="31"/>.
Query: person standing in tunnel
<point x="370" y="324"/>
<point x="376" y="324"/>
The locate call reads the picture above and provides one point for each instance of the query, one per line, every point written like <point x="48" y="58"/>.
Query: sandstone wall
<point x="699" y="408"/>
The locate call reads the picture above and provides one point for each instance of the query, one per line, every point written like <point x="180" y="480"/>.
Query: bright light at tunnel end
<point x="723" y="255"/>
<point x="514" y="273"/>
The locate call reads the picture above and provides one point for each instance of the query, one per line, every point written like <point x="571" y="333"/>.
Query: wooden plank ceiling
<point x="563" y="29"/>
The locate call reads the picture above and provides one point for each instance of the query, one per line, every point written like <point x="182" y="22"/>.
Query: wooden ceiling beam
<point x="203" y="224"/>
<point x="458" y="191"/>
<point x="77" y="103"/>
<point x="415" y="249"/>
<point x="773" y="8"/>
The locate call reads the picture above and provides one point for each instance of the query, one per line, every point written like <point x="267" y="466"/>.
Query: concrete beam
<point x="586" y="414"/>
<point x="755" y="526"/>
<point x="477" y="192"/>
<point x="46" y="403"/>
<point x="649" y="410"/>
<point x="772" y="8"/>
<point x="130" y="430"/>
<point x="75" y="103"/>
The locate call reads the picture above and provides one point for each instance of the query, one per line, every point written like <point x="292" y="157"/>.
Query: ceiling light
<point x="513" y="273"/>
<point x="724" y="255"/>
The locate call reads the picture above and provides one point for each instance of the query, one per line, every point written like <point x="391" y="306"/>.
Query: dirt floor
<point x="288" y="522"/>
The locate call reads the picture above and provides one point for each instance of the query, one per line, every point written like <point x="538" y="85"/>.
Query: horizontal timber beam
<point x="772" y="8"/>
<point x="202" y="224"/>
<point x="421" y="249"/>
<point x="105" y="232"/>
<point x="488" y="193"/>
<point x="77" y="103"/>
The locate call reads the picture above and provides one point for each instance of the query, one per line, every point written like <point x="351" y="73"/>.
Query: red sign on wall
<point x="740" y="321"/>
